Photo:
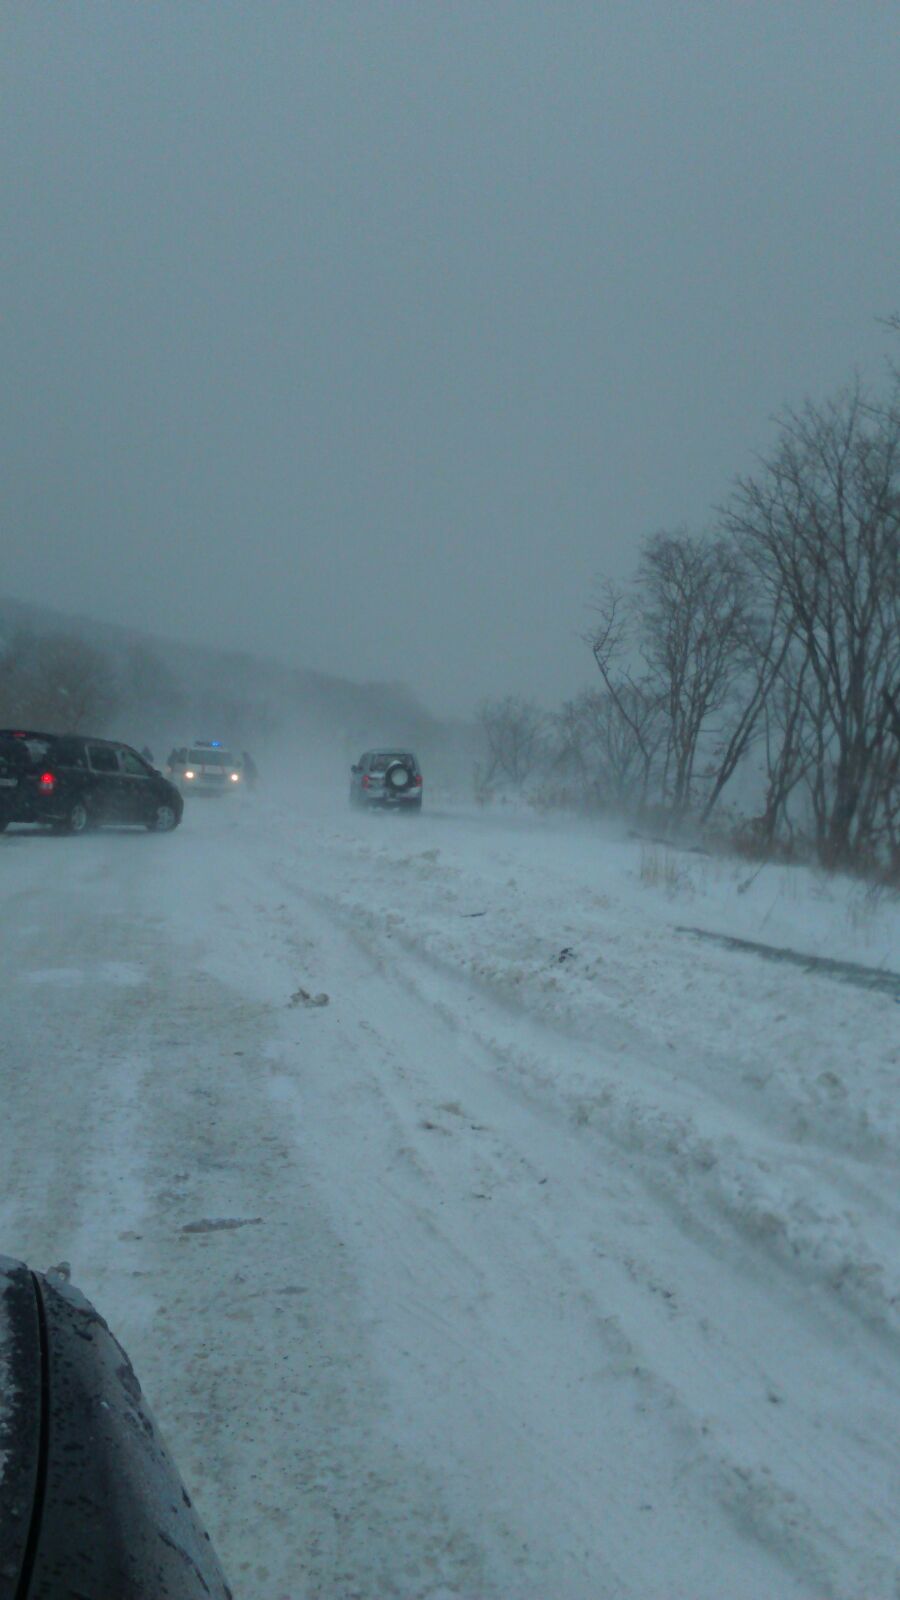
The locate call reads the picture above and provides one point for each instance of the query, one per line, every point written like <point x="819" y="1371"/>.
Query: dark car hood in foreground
<point x="90" y="1501"/>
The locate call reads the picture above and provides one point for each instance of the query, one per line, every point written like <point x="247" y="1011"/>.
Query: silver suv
<point x="387" y="778"/>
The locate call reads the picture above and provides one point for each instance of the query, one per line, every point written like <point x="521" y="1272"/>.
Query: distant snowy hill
<point x="170" y="691"/>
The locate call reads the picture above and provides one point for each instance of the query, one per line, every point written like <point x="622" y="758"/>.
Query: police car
<point x="205" y="767"/>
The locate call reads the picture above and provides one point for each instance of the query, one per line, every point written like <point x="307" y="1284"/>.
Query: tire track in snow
<point x="125" y="1114"/>
<point x="753" y="1493"/>
<point x="655" y="1115"/>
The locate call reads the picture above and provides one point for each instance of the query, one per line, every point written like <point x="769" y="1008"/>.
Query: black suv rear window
<point x="24" y="752"/>
<point x="13" y="753"/>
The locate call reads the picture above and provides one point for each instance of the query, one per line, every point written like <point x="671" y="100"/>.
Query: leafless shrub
<point x="659" y="869"/>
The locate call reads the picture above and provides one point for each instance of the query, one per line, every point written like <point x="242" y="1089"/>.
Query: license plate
<point x="9" y="783"/>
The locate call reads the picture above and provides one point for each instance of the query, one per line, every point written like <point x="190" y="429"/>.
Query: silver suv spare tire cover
<point x="398" y="776"/>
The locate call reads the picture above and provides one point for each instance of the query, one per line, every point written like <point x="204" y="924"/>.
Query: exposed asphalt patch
<point x="214" y="1224"/>
<point x="845" y="971"/>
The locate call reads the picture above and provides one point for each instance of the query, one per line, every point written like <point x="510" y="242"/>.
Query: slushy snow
<point x="555" y="1257"/>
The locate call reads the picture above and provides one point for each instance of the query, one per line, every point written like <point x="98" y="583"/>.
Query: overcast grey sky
<point x="367" y="334"/>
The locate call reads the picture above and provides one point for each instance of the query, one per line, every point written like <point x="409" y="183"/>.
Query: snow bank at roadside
<point x="763" y="1097"/>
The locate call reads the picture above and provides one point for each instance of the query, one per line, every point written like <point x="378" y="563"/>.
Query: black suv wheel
<point x="164" y="819"/>
<point x="76" y="820"/>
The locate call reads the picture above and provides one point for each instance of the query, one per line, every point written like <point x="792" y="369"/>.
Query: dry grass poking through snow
<point x="659" y="869"/>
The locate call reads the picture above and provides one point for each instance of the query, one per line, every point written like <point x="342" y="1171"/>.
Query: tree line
<point x="58" y="682"/>
<point x="773" y="639"/>
<point x="61" y="682"/>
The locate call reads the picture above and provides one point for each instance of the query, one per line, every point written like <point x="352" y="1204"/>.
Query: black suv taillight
<point x="47" y="782"/>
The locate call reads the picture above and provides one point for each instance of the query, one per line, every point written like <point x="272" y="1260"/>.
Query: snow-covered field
<point x="567" y="1266"/>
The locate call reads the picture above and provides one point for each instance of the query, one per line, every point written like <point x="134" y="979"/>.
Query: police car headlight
<point x="235" y="777"/>
<point x="189" y="774"/>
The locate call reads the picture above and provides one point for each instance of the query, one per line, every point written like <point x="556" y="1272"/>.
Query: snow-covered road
<point x="564" y="1257"/>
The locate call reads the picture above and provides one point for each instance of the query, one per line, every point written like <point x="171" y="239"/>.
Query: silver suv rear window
<point x="382" y="761"/>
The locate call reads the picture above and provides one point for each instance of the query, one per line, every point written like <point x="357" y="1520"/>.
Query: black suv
<point x="74" y="783"/>
<point x="387" y="778"/>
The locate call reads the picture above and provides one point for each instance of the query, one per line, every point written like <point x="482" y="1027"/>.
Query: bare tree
<point x="761" y="650"/>
<point x="688" y="620"/>
<point x="694" y="599"/>
<point x="56" y="682"/>
<point x="821" y="525"/>
<point x="147" y="686"/>
<point x="15" y="656"/>
<point x="609" y="754"/>
<point x="788" y="749"/>
<point x="514" y="732"/>
<point x="636" y="702"/>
